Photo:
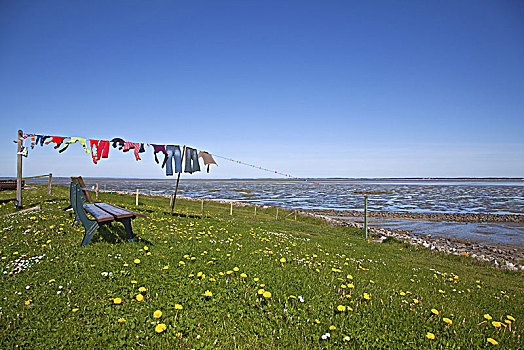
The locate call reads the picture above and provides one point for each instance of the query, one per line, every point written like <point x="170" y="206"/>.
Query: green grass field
<point x="226" y="281"/>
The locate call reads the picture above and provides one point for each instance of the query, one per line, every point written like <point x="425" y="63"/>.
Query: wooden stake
<point x="366" y="215"/>
<point x="178" y="180"/>
<point x="136" y="202"/>
<point x="49" y="183"/>
<point x="231" y="210"/>
<point x="276" y="216"/>
<point x="96" y="192"/>
<point x="19" y="171"/>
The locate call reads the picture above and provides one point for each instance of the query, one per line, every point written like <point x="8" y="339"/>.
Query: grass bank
<point x="222" y="281"/>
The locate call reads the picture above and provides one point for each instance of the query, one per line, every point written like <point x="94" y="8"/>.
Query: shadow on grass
<point x="181" y="215"/>
<point x="114" y="233"/>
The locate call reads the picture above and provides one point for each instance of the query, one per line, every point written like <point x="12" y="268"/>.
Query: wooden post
<point x="231" y="210"/>
<point x="178" y="180"/>
<point x="295" y="215"/>
<point x="49" y="183"/>
<point x="136" y="202"/>
<point x="366" y="215"/>
<point x="255" y="212"/>
<point x="202" y="208"/>
<point x="276" y="216"/>
<point x="19" y="171"/>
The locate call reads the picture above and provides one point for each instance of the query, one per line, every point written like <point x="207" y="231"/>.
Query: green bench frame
<point x="103" y="213"/>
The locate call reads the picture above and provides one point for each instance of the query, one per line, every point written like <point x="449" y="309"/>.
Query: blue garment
<point x="173" y="151"/>
<point x="192" y="164"/>
<point x="41" y="139"/>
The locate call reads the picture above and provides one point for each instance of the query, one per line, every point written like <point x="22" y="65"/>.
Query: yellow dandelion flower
<point x="511" y="318"/>
<point x="441" y="291"/>
<point x="317" y="321"/>
<point x="136" y="261"/>
<point x="243" y="275"/>
<point x="447" y="320"/>
<point x="75" y="310"/>
<point x="283" y="260"/>
<point x="134" y="282"/>
<point x="351" y="285"/>
<point x="27" y="302"/>
<point x="332" y="328"/>
<point x="341" y="308"/>
<point x="139" y="297"/>
<point x="507" y="321"/>
<point x="430" y="335"/>
<point x="415" y="301"/>
<point x="178" y="307"/>
<point x="256" y="279"/>
<point x="117" y="301"/>
<point x="492" y="341"/>
<point x="402" y="293"/>
<point x="160" y="328"/>
<point x="366" y="296"/>
<point x="145" y="247"/>
<point x="165" y="267"/>
<point x="349" y="277"/>
<point x="496" y="324"/>
<point x="208" y="294"/>
<point x="181" y="262"/>
<point x="487" y="317"/>
<point x="292" y="297"/>
<point x="157" y="314"/>
<point x="142" y="289"/>
<point x="435" y="311"/>
<point x="178" y="335"/>
<point x="52" y="280"/>
<point x="261" y="291"/>
<point x="267" y="295"/>
<point x="121" y="320"/>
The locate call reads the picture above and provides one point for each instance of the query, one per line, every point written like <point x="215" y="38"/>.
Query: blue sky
<point x="309" y="88"/>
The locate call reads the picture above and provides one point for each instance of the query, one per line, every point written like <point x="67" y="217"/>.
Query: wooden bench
<point x="103" y="213"/>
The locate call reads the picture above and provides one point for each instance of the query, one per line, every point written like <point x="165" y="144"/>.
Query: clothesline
<point x="100" y="149"/>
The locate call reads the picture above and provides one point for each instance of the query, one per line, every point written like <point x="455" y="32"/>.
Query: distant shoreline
<point x="320" y="180"/>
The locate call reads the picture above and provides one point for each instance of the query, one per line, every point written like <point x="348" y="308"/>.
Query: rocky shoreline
<point x="509" y="257"/>
<point x="454" y="217"/>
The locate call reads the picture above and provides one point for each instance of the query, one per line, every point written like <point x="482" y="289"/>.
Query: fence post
<point x="231" y="210"/>
<point x="19" y="170"/>
<point x="136" y="202"/>
<point x="49" y="183"/>
<point x="276" y="216"/>
<point x="366" y="215"/>
<point x="255" y="212"/>
<point x="202" y="208"/>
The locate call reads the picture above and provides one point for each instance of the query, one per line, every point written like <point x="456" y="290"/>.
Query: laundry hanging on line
<point x="100" y="149"/>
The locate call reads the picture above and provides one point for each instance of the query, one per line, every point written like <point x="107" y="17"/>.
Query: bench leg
<point x="90" y="231"/>
<point x="129" y="230"/>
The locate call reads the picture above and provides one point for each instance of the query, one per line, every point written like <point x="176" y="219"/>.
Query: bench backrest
<point x="78" y="198"/>
<point x="80" y="181"/>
